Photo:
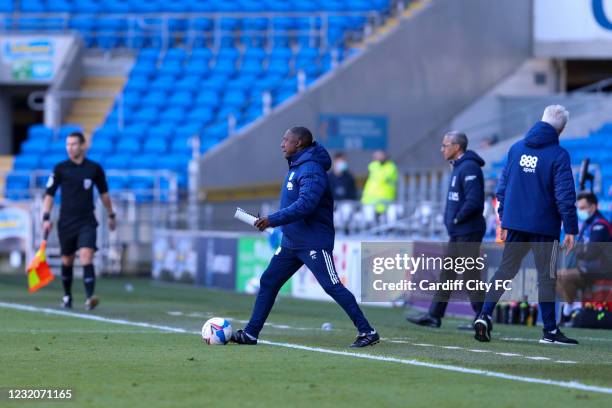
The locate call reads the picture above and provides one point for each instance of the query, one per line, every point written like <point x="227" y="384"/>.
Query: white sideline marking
<point x="538" y="358"/>
<point x="565" y="362"/>
<point x="493" y="374"/>
<point x="508" y="354"/>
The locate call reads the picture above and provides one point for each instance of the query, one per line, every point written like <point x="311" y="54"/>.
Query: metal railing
<point x="165" y="29"/>
<point x="517" y="120"/>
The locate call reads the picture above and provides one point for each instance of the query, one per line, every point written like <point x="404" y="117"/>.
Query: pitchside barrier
<point x="235" y="261"/>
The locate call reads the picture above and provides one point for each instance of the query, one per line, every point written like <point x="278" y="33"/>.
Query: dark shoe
<point x="425" y="320"/>
<point x="366" y="339"/>
<point x="91" y="303"/>
<point x="241" y="337"/>
<point x="67" y="302"/>
<point x="482" y="328"/>
<point x="557" y="338"/>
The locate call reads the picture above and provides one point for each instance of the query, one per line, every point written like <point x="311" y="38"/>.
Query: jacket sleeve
<point x="312" y="186"/>
<point x="595" y="248"/>
<point x="501" y="188"/>
<point x="473" y="190"/>
<point x="565" y="193"/>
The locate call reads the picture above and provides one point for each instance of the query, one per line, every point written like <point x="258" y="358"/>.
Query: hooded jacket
<point x="465" y="199"/>
<point x="536" y="189"/>
<point x="306" y="203"/>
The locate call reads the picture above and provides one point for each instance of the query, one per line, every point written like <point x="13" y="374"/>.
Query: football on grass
<point x="217" y="331"/>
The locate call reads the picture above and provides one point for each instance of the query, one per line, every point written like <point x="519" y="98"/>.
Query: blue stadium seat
<point x="228" y="53"/>
<point x="198" y="67"/>
<point x="102" y="146"/>
<point x="35" y="146"/>
<point x="49" y="160"/>
<point x="172" y="115"/>
<point x="120" y="161"/>
<point x="144" y="162"/>
<point x="200" y="23"/>
<point x="187" y="130"/>
<point x="146" y="115"/>
<point x="208" y="98"/>
<point x="40" y="132"/>
<point x="188" y="83"/>
<point x="26" y="162"/>
<point x="17" y="181"/>
<point x="284" y="53"/>
<point x="155" y="146"/>
<point x="234" y="98"/>
<point x="128" y="145"/>
<point x="57" y="146"/>
<point x="181" y="145"/>
<point x="215" y="83"/>
<point x="170" y="68"/>
<point x="162" y="131"/>
<point x="135" y="131"/>
<point x="201" y="115"/>
<point x="157" y="97"/>
<point x="163" y="83"/>
<point x="181" y="99"/>
<point x="116" y="182"/>
<point x="33" y="6"/>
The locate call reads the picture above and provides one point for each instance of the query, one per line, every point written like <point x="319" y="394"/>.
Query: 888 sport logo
<point x="528" y="163"/>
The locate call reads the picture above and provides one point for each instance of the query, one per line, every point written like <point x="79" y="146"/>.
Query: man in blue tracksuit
<point x="536" y="195"/>
<point x="464" y="222"/>
<point x="306" y="217"/>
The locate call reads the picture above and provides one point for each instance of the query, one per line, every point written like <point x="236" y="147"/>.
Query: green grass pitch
<point x="109" y="364"/>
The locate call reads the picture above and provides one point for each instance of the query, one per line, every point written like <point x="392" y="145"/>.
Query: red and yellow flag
<point x="39" y="273"/>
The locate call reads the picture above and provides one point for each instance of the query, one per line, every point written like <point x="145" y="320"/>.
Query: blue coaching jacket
<point x="465" y="200"/>
<point x="536" y="189"/>
<point x="306" y="204"/>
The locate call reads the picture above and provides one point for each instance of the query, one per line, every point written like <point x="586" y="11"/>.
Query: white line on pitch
<point x="493" y="374"/>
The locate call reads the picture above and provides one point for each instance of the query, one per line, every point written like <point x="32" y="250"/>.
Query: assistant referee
<point x="77" y="223"/>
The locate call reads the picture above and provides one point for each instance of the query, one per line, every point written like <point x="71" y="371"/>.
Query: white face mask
<point x="341" y="166"/>
<point x="583" y="215"/>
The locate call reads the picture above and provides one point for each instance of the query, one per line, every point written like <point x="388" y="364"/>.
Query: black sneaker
<point x="67" y="302"/>
<point x="425" y="320"/>
<point x="482" y="328"/>
<point x="556" y="337"/>
<point x="241" y="337"/>
<point x="366" y="339"/>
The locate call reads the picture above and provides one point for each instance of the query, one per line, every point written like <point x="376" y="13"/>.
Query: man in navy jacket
<point x="306" y="217"/>
<point x="463" y="219"/>
<point x="536" y="195"/>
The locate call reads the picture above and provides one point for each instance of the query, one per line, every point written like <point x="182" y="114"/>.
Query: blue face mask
<point x="583" y="215"/>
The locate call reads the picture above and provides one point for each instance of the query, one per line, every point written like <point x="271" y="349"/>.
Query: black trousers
<point x="460" y="246"/>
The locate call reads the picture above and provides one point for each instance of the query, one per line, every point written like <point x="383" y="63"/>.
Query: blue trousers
<point x="544" y="248"/>
<point x="283" y="265"/>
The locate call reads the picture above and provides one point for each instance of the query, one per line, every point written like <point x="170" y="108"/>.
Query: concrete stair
<point x="90" y="111"/>
<point x="6" y="165"/>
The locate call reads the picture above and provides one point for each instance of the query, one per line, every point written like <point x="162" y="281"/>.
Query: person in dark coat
<point x="341" y="180"/>
<point x="536" y="197"/>
<point x="464" y="222"/>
